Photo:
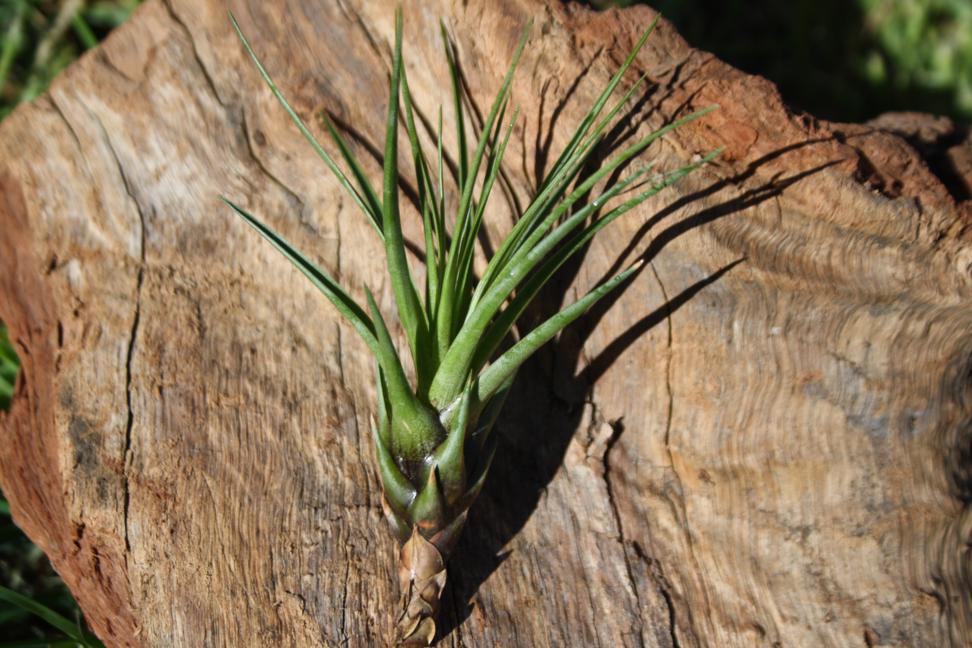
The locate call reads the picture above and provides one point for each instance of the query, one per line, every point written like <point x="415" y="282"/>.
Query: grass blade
<point x="50" y="616"/>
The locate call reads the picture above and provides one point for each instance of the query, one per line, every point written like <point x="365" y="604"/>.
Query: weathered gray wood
<point x="764" y="440"/>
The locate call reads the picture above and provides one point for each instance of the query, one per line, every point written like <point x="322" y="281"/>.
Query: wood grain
<point x="763" y="440"/>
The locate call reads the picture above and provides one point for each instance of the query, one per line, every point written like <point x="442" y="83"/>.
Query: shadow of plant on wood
<point x="524" y="467"/>
<point x="554" y="407"/>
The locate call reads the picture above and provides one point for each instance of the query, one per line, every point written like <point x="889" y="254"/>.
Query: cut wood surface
<point x="764" y="439"/>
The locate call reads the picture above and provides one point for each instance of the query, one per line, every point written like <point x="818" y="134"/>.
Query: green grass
<point x="39" y="38"/>
<point x="8" y="369"/>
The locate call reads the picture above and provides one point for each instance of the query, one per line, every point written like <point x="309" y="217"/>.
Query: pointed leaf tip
<point x="345" y="305"/>
<point x="428" y="511"/>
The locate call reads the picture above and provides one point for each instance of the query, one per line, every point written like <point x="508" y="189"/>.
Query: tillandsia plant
<point x="433" y="441"/>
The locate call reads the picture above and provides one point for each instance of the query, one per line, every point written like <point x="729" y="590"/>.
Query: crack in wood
<point x="612" y="502"/>
<point x="663" y="587"/>
<point x="210" y="81"/>
<point x="130" y="352"/>
<point x="291" y="194"/>
<point x="344" y="604"/>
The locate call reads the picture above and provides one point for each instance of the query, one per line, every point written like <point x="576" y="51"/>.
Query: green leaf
<point x="527" y="232"/>
<point x="384" y="425"/>
<point x="415" y="429"/>
<point x="399" y="391"/>
<point x="8" y="367"/>
<point x="457" y="362"/>
<point x="440" y="223"/>
<point x="13" y="39"/>
<point x="450" y="457"/>
<point x="627" y="154"/>
<point x="552" y="191"/>
<point x="406" y="298"/>
<point x="8" y="357"/>
<point x="428" y="511"/>
<point x="527" y="292"/>
<point x="83" y="31"/>
<point x="295" y="118"/>
<point x="490" y="381"/>
<point x="488" y="412"/>
<point x="463" y="153"/>
<point x="6" y="394"/>
<point x="592" y="114"/>
<point x="466" y="253"/>
<point x="428" y="205"/>
<point x="331" y="289"/>
<point x="422" y="174"/>
<point x="370" y="197"/>
<point x="567" y="165"/>
<point x="398" y="490"/>
<point x="537" y="279"/>
<point x="463" y="236"/>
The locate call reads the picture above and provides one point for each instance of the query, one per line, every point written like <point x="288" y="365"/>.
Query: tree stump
<point x="764" y="439"/>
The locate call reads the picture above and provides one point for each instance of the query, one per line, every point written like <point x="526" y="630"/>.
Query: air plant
<point x="433" y="441"/>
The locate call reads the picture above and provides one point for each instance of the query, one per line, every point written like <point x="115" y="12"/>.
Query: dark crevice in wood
<point x="133" y="336"/>
<point x="617" y="428"/>
<point x="130" y="421"/>
<point x="210" y="81"/>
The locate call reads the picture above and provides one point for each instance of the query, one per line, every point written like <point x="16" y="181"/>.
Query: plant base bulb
<point x="422" y="578"/>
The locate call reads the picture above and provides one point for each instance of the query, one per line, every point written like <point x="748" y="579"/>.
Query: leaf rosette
<point x="434" y="440"/>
